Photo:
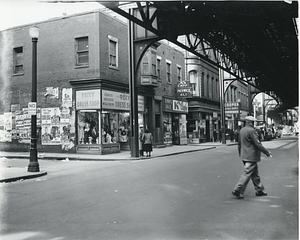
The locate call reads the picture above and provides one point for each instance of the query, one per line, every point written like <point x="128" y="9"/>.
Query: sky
<point x="20" y="12"/>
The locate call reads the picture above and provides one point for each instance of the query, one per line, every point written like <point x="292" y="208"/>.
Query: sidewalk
<point x="10" y="174"/>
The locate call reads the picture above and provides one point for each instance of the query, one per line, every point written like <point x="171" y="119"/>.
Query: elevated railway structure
<point x="255" y="41"/>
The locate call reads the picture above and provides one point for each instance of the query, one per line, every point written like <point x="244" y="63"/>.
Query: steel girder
<point x="253" y="41"/>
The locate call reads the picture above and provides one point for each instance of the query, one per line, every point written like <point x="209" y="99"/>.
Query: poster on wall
<point x="67" y="136"/>
<point x="51" y="126"/>
<point x="66" y="97"/>
<point x="5" y="136"/>
<point x="23" y="125"/>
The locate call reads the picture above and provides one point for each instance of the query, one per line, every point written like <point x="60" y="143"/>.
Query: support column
<point x="134" y="135"/>
<point x="222" y="105"/>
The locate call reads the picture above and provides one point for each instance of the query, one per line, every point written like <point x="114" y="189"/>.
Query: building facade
<point x="83" y="93"/>
<point x="204" y="104"/>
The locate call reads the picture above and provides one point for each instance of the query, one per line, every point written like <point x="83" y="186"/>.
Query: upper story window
<point x="153" y="63"/>
<point x="168" y="71"/>
<point x="158" y="68"/>
<point x="179" y="73"/>
<point x="82" y="51"/>
<point x="113" y="52"/>
<point x="18" y="60"/>
<point x="146" y="64"/>
<point x="149" y="63"/>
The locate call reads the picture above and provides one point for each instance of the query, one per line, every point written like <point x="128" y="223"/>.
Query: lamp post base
<point x="33" y="167"/>
<point x="33" y="164"/>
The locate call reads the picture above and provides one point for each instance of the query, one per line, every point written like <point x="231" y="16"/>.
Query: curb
<point x="14" y="179"/>
<point x="110" y="159"/>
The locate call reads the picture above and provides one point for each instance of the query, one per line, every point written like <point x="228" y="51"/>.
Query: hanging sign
<point x="184" y="89"/>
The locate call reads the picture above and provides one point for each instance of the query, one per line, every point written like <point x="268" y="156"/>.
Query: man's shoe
<point x="261" y="193"/>
<point x="237" y="194"/>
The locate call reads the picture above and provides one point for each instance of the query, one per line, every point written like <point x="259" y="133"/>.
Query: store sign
<point x="119" y="101"/>
<point x="88" y="99"/>
<point x="172" y="105"/>
<point x="231" y="107"/>
<point x="180" y="106"/>
<point x="184" y="89"/>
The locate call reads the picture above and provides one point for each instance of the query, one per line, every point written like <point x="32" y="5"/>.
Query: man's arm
<point x="257" y="143"/>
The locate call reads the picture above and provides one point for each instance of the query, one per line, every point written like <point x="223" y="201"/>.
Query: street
<point x="185" y="196"/>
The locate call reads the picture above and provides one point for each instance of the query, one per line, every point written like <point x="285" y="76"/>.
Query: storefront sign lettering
<point x="180" y="106"/>
<point x="89" y="99"/>
<point x="119" y="101"/>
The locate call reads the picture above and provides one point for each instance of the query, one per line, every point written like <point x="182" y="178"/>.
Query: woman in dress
<point x="148" y="140"/>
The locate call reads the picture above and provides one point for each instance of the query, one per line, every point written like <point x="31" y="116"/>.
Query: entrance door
<point x="175" y="129"/>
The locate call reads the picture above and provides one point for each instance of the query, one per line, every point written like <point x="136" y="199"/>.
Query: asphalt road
<point x="186" y="196"/>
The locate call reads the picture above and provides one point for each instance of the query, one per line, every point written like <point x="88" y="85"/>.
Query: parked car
<point x="278" y="132"/>
<point x="269" y="135"/>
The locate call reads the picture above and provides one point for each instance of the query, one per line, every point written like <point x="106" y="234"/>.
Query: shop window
<point x="167" y="128"/>
<point x="18" y="60"/>
<point x="113" y="51"/>
<point x="115" y="127"/>
<point x="82" y="51"/>
<point x="88" y="127"/>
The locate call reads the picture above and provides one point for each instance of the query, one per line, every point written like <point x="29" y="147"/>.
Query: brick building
<point x="83" y="93"/>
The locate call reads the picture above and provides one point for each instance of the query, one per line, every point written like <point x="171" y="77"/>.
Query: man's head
<point x="250" y="119"/>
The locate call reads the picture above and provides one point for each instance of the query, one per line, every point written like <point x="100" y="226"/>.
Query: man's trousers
<point x="250" y="172"/>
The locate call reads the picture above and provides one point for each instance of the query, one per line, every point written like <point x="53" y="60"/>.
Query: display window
<point x="182" y="126"/>
<point x="88" y="127"/>
<point x="167" y="124"/>
<point x="115" y="127"/>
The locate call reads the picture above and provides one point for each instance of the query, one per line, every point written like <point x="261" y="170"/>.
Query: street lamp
<point x="33" y="164"/>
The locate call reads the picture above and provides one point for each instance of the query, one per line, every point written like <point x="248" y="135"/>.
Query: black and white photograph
<point x="149" y="120"/>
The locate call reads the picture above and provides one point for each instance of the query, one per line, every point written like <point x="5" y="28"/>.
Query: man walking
<point x="249" y="148"/>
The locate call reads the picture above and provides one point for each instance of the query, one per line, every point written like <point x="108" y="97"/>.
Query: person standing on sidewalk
<point x="148" y="140"/>
<point x="141" y="142"/>
<point x="250" y="148"/>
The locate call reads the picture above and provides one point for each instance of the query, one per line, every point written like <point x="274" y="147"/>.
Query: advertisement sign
<point x="184" y="89"/>
<point x="67" y="97"/>
<point x="231" y="107"/>
<point x="173" y="105"/>
<point x="51" y="126"/>
<point x="88" y="99"/>
<point x="52" y="92"/>
<point x="119" y="101"/>
<point x="180" y="106"/>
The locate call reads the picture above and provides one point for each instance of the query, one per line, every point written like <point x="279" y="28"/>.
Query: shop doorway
<point x="175" y="128"/>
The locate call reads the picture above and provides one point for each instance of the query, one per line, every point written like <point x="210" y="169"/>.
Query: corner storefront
<point x="103" y="121"/>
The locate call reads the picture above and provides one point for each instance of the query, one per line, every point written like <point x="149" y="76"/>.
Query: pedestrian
<point x="148" y="140"/>
<point x="250" y="148"/>
<point x="141" y="142"/>
<point x="215" y="135"/>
